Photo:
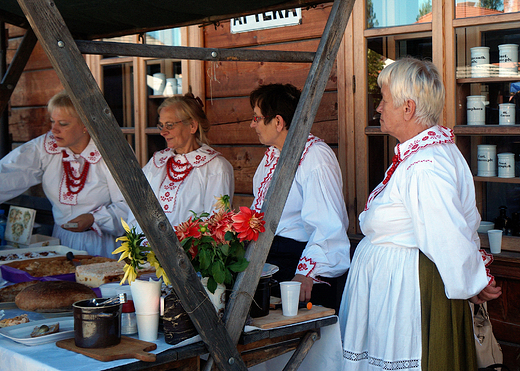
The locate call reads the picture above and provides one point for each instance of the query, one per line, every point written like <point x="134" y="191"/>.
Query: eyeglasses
<point x="169" y="125"/>
<point x="258" y="118"/>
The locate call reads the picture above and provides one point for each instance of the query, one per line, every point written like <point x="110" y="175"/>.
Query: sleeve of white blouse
<point x="220" y="182"/>
<point x="444" y="224"/>
<point x="324" y="214"/>
<point x="20" y="169"/>
<point x="108" y="217"/>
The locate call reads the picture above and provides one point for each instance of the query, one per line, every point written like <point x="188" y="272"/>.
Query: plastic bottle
<point x="3" y="222"/>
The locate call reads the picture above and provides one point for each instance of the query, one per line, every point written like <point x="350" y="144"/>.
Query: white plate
<point x="59" y="249"/>
<point x="22" y="333"/>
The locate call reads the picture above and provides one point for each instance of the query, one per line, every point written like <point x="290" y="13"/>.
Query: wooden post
<point x="53" y="34"/>
<point x="16" y="67"/>
<point x="245" y="286"/>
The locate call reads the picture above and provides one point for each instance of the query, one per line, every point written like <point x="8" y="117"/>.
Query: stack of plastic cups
<point x="147" y="296"/>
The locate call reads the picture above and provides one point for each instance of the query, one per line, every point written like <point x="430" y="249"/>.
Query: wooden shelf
<point x="496" y="130"/>
<point x="495" y="179"/>
<point x="373" y="130"/>
<point x="152" y="130"/>
<point x="509" y="243"/>
<point x="486" y="80"/>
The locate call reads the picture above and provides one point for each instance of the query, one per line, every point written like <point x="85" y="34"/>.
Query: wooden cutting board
<point x="275" y="318"/>
<point x="127" y="348"/>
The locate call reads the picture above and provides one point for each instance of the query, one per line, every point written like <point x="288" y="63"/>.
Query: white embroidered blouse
<point x="40" y="161"/>
<point x="315" y="210"/>
<point x="195" y="179"/>
<point x="429" y="203"/>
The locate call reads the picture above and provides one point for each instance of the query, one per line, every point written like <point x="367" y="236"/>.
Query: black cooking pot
<point x="96" y="327"/>
<point x="260" y="304"/>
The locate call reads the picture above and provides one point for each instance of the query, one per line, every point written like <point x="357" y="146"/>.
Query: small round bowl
<point x="485" y="226"/>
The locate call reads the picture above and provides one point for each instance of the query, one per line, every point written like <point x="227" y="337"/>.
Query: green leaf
<point x="218" y="271"/>
<point x="212" y="285"/>
<point x="225" y="249"/>
<point x="239" y="266"/>
<point x="205" y="259"/>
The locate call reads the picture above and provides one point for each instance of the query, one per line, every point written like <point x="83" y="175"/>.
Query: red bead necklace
<point x="177" y="175"/>
<point x="72" y="181"/>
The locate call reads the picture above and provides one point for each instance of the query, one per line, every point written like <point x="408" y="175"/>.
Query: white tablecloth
<point x="325" y="353"/>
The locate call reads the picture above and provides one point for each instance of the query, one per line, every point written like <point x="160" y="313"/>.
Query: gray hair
<point x="411" y="78"/>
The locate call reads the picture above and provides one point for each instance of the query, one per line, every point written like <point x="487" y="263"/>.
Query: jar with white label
<point x="486" y="160"/>
<point x="506" y="165"/>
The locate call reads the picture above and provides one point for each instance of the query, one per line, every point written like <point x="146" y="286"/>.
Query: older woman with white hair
<point x="405" y="304"/>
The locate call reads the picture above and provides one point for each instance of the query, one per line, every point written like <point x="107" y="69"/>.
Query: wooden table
<point x="255" y="346"/>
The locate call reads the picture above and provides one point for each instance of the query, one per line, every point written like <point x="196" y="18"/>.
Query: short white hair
<point x="411" y="78"/>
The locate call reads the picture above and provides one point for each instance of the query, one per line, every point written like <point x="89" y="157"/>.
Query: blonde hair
<point x="62" y="100"/>
<point x="411" y="78"/>
<point x="191" y="107"/>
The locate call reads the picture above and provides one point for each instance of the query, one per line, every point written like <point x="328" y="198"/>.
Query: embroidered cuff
<point x="306" y="267"/>
<point x="487" y="258"/>
<point x="96" y="229"/>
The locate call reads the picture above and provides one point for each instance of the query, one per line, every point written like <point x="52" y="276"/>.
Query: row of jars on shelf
<point x="508" y="226"/>
<point x="490" y="164"/>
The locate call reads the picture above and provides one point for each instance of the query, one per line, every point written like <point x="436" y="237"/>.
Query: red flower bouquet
<point x="216" y="243"/>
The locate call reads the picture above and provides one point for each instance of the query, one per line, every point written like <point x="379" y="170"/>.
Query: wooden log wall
<point x="27" y="111"/>
<point x="228" y="85"/>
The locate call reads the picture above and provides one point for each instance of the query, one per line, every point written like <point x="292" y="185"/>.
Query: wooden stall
<point x="58" y="25"/>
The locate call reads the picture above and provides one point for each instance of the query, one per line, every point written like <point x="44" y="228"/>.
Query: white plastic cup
<point x="159" y="83"/>
<point x="147" y="326"/>
<point x="290" y="297"/>
<point x="476" y="109"/>
<point x="480" y="61"/>
<point x="146" y="295"/>
<point x="495" y="240"/>
<point x="486" y="160"/>
<point x="506" y="113"/>
<point x="506" y="165"/>
<point x="508" y="60"/>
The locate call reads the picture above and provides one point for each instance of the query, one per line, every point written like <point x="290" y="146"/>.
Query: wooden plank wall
<point x="28" y="114"/>
<point x="228" y="85"/>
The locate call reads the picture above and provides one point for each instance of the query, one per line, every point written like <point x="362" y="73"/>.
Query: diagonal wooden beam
<point x="276" y="196"/>
<point x="16" y="67"/>
<point x="57" y="41"/>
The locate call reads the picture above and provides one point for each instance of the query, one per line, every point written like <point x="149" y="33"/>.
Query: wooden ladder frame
<point x="65" y="54"/>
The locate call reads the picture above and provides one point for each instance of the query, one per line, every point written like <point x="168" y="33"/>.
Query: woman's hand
<point x="306" y="287"/>
<point x="490" y="292"/>
<point x="84" y="221"/>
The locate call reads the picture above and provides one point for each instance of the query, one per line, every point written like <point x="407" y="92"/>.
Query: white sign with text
<point x="265" y="20"/>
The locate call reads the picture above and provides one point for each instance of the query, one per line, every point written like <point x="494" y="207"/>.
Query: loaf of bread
<point x="53" y="296"/>
<point x="95" y="275"/>
<point x="9" y="293"/>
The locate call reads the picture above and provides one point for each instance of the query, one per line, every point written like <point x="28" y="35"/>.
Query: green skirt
<point x="448" y="343"/>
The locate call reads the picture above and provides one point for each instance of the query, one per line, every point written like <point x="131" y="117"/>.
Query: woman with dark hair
<point x="188" y="175"/>
<point x="311" y="244"/>
<point x="87" y="205"/>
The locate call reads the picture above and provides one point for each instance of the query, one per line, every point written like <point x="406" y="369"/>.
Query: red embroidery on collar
<point x="272" y="156"/>
<point x="434" y="136"/>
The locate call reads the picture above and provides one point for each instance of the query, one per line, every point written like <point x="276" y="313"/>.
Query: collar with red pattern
<point x="90" y="153"/>
<point x="197" y="158"/>
<point x="432" y="136"/>
<point x="273" y="154"/>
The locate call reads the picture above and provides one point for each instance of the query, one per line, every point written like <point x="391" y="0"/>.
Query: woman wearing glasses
<point x="189" y="174"/>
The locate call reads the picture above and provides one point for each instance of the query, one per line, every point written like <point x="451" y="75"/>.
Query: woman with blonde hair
<point x="188" y="174"/>
<point x="87" y="204"/>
